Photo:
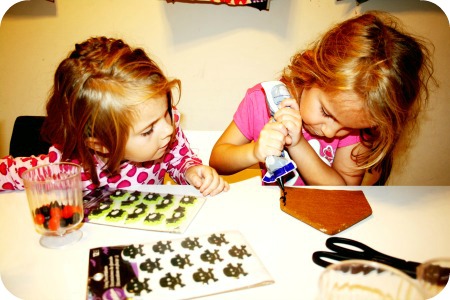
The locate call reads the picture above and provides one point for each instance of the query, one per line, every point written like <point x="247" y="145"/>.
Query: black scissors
<point x="351" y="249"/>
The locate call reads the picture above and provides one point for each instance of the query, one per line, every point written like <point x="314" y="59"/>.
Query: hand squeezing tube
<point x="277" y="166"/>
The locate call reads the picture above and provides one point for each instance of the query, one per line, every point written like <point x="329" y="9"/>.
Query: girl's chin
<point x="160" y="153"/>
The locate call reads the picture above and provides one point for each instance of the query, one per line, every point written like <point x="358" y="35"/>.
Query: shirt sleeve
<point x="11" y="169"/>
<point x="252" y="113"/>
<point x="180" y="157"/>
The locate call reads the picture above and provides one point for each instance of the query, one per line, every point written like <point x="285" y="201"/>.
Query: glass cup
<point x="433" y="275"/>
<point x="366" y="280"/>
<point x="55" y="198"/>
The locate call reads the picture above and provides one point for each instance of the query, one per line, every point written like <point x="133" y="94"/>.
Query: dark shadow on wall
<point x="32" y="8"/>
<point x="196" y="21"/>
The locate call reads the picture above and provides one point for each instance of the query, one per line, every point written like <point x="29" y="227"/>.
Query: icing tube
<point x="277" y="166"/>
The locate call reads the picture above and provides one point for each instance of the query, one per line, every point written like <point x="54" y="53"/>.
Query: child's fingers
<point x="287" y="114"/>
<point x="215" y="186"/>
<point x="206" y="180"/>
<point x="289" y="102"/>
<point x="292" y="123"/>
<point x="194" y="179"/>
<point x="271" y="140"/>
<point x="290" y="119"/>
<point x="293" y="126"/>
<point x="273" y="130"/>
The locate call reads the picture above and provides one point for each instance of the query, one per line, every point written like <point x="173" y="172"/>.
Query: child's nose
<point x="330" y="129"/>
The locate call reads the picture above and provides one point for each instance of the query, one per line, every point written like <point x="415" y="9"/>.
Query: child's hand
<point x="271" y="141"/>
<point x="289" y="116"/>
<point x="206" y="180"/>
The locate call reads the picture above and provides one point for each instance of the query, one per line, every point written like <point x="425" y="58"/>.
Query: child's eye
<point x="148" y="132"/>
<point x="324" y="113"/>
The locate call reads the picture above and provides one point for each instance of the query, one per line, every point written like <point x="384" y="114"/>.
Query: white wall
<point x="217" y="51"/>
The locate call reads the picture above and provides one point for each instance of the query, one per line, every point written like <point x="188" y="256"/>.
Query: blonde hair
<point x="373" y="57"/>
<point x="95" y="94"/>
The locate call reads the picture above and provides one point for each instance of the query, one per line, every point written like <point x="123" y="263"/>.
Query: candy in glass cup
<point x="55" y="199"/>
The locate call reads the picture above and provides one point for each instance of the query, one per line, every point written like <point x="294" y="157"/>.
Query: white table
<point x="412" y="223"/>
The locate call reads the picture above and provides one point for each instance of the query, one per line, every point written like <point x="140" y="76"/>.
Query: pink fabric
<point x="175" y="162"/>
<point x="252" y="114"/>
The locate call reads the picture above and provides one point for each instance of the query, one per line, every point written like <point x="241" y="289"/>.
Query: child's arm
<point x="186" y="168"/>
<point x="347" y="167"/>
<point x="11" y="169"/>
<point x="233" y="152"/>
<point x="9" y="175"/>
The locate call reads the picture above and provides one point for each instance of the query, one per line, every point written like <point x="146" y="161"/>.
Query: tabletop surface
<point x="407" y="222"/>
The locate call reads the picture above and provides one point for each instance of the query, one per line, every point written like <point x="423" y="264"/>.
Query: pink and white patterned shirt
<point x="178" y="158"/>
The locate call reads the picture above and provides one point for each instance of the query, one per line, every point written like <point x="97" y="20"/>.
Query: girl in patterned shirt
<point x="111" y="111"/>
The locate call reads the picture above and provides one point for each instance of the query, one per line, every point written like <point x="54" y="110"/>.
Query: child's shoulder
<point x="257" y="88"/>
<point x="254" y="97"/>
<point x="256" y="94"/>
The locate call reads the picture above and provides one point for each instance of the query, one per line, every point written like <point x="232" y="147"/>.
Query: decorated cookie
<point x="187" y="200"/>
<point x="103" y="209"/>
<point x="151" y="198"/>
<point x="116" y="215"/>
<point x="131" y="201"/>
<point x="154" y="218"/>
<point x="119" y="194"/>
<point x="138" y="213"/>
<point x="178" y="215"/>
<point x="165" y="203"/>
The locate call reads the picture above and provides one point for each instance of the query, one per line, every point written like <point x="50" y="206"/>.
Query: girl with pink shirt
<point x="355" y="92"/>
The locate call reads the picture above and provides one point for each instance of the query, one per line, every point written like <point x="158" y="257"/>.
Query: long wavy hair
<point x="95" y="94"/>
<point x="372" y="56"/>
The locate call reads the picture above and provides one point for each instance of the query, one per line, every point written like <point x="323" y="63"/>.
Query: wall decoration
<point x="259" y="4"/>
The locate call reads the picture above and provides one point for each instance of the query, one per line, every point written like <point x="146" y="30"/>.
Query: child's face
<point x="151" y="131"/>
<point x="334" y="115"/>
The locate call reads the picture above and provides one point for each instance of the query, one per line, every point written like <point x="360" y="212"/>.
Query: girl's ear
<point x="96" y="145"/>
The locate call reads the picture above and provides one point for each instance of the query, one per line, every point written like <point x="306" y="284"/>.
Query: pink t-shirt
<point x="252" y="114"/>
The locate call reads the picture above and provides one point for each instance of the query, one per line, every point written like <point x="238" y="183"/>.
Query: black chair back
<point x="26" y="137"/>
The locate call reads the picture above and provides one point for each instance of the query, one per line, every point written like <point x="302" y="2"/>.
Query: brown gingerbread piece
<point x="330" y="211"/>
